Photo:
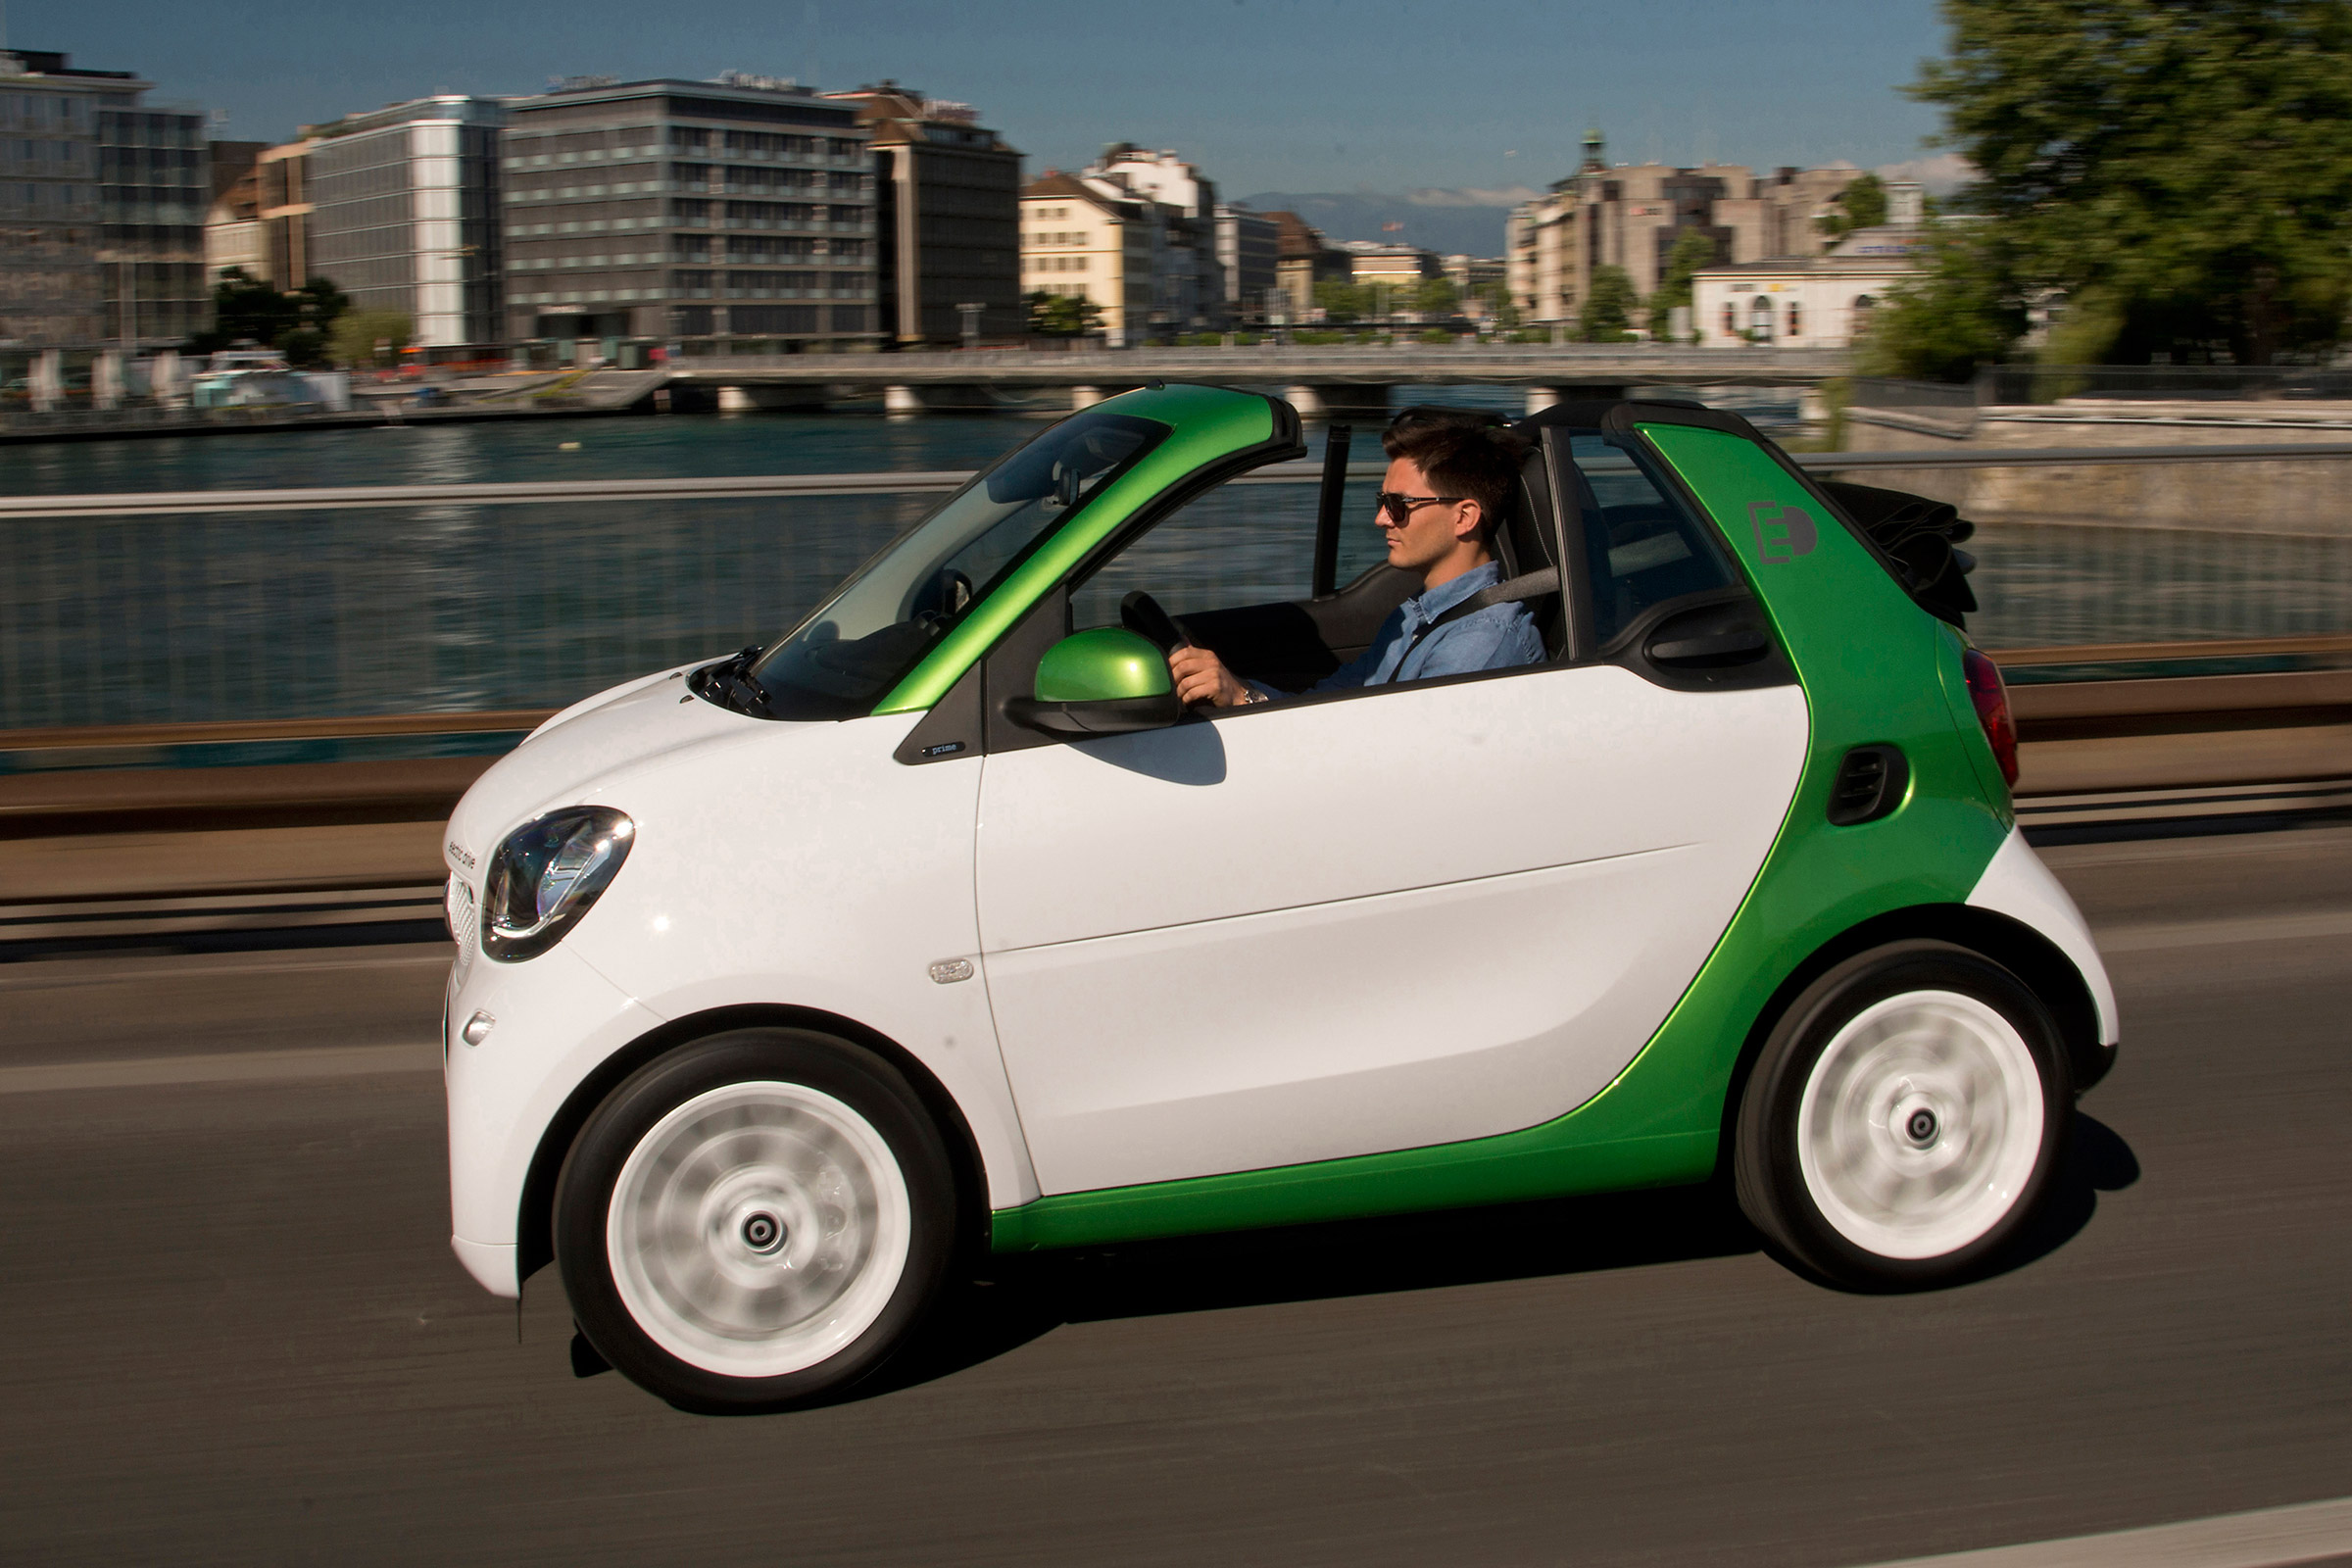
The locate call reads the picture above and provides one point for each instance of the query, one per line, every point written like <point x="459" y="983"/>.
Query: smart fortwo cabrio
<point x="788" y="985"/>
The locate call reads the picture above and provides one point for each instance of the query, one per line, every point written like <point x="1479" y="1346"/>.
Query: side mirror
<point x="1108" y="681"/>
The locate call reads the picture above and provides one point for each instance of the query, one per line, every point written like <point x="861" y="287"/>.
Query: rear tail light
<point x="1991" y="699"/>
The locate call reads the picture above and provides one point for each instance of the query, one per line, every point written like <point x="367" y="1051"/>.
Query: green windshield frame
<point x="1211" y="425"/>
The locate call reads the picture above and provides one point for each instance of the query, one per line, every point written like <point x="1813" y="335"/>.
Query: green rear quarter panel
<point x="1875" y="670"/>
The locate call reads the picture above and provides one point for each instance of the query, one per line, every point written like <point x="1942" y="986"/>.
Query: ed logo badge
<point x="1783" y="533"/>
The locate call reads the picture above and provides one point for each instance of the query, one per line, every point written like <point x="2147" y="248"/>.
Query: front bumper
<point x="556" y="1019"/>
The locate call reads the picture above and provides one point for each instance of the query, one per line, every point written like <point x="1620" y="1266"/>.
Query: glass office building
<point x="403" y="217"/>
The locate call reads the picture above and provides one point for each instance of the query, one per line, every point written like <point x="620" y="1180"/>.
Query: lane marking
<point x="2160" y="935"/>
<point x="220" y="1067"/>
<point x="2267" y="1537"/>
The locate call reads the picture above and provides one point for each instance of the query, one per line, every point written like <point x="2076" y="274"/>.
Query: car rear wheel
<point x="1904" y="1117"/>
<point x="754" y="1221"/>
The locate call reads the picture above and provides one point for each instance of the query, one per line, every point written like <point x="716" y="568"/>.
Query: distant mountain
<point x="1449" y="221"/>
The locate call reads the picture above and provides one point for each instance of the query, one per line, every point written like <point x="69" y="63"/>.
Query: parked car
<point x="788" y="982"/>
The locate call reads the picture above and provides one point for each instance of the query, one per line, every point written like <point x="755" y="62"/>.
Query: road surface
<point x="231" y="1331"/>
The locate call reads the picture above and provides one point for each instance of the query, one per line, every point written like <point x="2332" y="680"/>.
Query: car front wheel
<point x="1904" y="1117"/>
<point x="754" y="1221"/>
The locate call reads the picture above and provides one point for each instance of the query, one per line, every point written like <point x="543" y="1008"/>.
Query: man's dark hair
<point x="1468" y="454"/>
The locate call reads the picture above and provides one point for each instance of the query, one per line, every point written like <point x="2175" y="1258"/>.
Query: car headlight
<point x="547" y="874"/>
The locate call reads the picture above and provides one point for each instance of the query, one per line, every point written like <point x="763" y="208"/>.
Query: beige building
<point x="1303" y="257"/>
<point x="1079" y="243"/>
<point x="1631" y="215"/>
<point x="1817" y="302"/>
<point x="285" y="210"/>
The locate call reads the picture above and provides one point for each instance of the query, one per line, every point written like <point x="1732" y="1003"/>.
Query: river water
<point x="467" y="608"/>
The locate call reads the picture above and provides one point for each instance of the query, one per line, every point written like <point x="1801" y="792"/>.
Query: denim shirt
<point x="1497" y="637"/>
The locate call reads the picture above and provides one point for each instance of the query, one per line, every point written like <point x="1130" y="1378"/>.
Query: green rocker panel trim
<point x="1210" y="423"/>
<point x="1875" y="668"/>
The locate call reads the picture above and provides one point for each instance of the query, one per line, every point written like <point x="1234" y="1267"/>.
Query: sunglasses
<point x="1397" y="507"/>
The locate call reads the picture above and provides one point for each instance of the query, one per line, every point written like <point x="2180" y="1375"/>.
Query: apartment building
<point x="1631" y="215"/>
<point x="283" y="205"/>
<point x="734" y="216"/>
<point x="948" y="219"/>
<point x="1303" y="257"/>
<point x="1081" y="242"/>
<point x="1188" y="285"/>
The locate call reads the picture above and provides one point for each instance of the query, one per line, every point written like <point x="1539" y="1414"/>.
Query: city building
<point x="233" y="236"/>
<point x="1303" y="257"/>
<point x="102" y="210"/>
<point x="1809" y="302"/>
<point x="1249" y="255"/>
<point x="726" y="217"/>
<point x="404" y="216"/>
<point x="948" y="219"/>
<point x="282" y="174"/>
<point x="1082" y="243"/>
<point x="1188" y="286"/>
<point x="1630" y="216"/>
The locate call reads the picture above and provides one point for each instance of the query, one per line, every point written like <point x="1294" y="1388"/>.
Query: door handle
<point x="1721" y="646"/>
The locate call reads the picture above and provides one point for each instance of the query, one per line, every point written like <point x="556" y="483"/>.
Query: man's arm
<point x="1201" y="677"/>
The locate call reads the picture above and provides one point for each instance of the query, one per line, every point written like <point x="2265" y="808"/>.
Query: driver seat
<point x="1529" y="541"/>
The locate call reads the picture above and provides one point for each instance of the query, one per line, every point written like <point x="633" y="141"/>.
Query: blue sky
<point x="1292" y="95"/>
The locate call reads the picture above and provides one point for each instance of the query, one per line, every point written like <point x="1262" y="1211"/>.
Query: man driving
<point x="1449" y="486"/>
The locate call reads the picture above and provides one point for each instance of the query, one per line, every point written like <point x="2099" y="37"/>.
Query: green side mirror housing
<point x="1107" y="681"/>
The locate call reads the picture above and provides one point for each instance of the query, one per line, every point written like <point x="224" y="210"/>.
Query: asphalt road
<point x="230" y="1329"/>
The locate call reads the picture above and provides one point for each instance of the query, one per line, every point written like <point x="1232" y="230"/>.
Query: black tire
<point x="1906" y="1170"/>
<point x="789" y="1227"/>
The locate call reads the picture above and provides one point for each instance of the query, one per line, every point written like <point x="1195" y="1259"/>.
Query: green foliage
<point x="1342" y="303"/>
<point x="1436" y="296"/>
<point x="1498" y="298"/>
<point x="1861" y="205"/>
<point x="1693" y="248"/>
<point x="246" y="310"/>
<point x="1964" y="311"/>
<point x="1608" y="312"/>
<point x="1054" y="314"/>
<point x="1436" y="335"/>
<point x="370" y="337"/>
<point x="2181" y="168"/>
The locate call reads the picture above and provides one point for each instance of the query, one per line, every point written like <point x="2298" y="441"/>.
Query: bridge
<point x="1318" y="379"/>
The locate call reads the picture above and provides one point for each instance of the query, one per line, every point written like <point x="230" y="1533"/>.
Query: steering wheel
<point x="943" y="597"/>
<point x="1139" y="613"/>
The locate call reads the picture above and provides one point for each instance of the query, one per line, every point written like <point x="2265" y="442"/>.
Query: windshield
<point x="860" y="643"/>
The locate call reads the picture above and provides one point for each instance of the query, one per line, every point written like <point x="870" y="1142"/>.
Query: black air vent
<point x="1870" y="783"/>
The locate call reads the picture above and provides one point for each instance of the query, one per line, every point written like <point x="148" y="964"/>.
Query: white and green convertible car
<point x="788" y="985"/>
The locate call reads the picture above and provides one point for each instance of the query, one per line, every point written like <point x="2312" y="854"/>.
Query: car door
<point x="1346" y="924"/>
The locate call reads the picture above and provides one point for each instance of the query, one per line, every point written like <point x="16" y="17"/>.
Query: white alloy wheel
<point x="1920" y="1124"/>
<point x="758" y="1229"/>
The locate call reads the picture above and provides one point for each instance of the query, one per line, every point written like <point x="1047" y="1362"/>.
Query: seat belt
<point x="1510" y="590"/>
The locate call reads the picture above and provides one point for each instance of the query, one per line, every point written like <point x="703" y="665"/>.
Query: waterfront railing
<point x="339" y="604"/>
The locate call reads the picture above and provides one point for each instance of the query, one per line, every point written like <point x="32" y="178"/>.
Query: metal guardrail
<point x="299" y="608"/>
<point x="337" y="498"/>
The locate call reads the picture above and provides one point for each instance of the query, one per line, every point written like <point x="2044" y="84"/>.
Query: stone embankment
<point x="2271" y="496"/>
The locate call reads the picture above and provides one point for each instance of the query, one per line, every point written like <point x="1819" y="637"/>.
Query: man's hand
<point x="1201" y="677"/>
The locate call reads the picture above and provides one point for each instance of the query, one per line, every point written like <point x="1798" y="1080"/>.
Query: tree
<point x="1053" y="315"/>
<point x="1963" y="310"/>
<point x="2180" y="169"/>
<point x="370" y="337"/>
<point x="1436" y="296"/>
<point x="246" y="310"/>
<point x="1498" y="303"/>
<point x="1346" y="302"/>
<point x="1608" y="312"/>
<point x="1693" y="248"/>
<point x="1861" y="205"/>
